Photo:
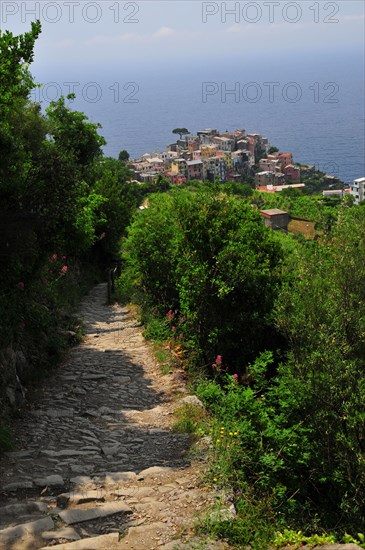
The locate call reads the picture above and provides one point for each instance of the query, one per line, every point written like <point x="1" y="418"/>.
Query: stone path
<point x="97" y="465"/>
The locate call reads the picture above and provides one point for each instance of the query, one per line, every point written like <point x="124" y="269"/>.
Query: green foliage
<point x="322" y="313"/>
<point x="122" y="198"/>
<point x="313" y="207"/>
<point x="156" y="329"/>
<point x="189" y="419"/>
<point x="181" y="131"/>
<point x="240" y="189"/>
<point x="89" y="217"/>
<point x="349" y="539"/>
<point x="72" y="133"/>
<point x="151" y="253"/>
<point x="296" y="539"/>
<point x="123" y="155"/>
<point x="62" y="208"/>
<point x="210" y="258"/>
<point x="16" y="52"/>
<point x="252" y="527"/>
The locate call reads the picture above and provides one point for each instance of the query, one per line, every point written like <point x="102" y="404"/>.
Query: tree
<point x="123" y="155"/>
<point x="122" y="197"/>
<point x="16" y="82"/>
<point x="322" y="314"/>
<point x="72" y="132"/>
<point x="211" y="258"/>
<point x="273" y="150"/>
<point x="181" y="131"/>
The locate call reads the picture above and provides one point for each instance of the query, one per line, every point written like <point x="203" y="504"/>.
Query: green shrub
<point x="209" y="258"/>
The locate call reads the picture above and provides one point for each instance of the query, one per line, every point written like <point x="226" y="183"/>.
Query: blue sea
<point x="313" y="107"/>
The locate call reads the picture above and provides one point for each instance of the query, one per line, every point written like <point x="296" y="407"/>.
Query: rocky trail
<point x="96" y="465"/>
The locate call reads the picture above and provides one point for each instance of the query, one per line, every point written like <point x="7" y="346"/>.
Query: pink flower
<point x="53" y="257"/>
<point x="102" y="236"/>
<point x="235" y="376"/>
<point x="173" y="328"/>
<point x="64" y="270"/>
<point x="20" y="285"/>
<point x="170" y="315"/>
<point x="64" y="257"/>
<point x="218" y="363"/>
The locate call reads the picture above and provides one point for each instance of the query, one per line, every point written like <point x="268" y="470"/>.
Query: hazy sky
<point x="154" y="32"/>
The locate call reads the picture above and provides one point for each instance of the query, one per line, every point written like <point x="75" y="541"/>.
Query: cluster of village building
<point x="210" y="155"/>
<point x="227" y="156"/>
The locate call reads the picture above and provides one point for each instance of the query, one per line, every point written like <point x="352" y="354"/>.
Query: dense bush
<point x="209" y="259"/>
<point x="298" y="438"/>
<point x="290" y="435"/>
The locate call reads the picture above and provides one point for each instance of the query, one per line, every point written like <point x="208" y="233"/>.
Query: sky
<point x="162" y="33"/>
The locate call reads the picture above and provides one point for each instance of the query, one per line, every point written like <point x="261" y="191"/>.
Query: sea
<point x="310" y="106"/>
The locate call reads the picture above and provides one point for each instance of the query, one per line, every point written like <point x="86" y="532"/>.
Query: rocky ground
<point x="96" y="463"/>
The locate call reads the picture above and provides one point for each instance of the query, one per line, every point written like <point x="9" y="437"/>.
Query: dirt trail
<point x="96" y="457"/>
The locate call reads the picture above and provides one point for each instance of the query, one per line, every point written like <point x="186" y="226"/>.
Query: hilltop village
<point x="228" y="156"/>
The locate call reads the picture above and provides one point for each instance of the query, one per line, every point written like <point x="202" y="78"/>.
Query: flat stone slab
<point x="31" y="528"/>
<point x="49" y="481"/>
<point x="95" y="543"/>
<point x="111" y="450"/>
<point x="109" y="509"/>
<point x="155" y="471"/>
<point x="54" y="413"/>
<point x="122" y="379"/>
<point x="65" y="453"/>
<point x="192" y="400"/>
<point x="137" y="492"/>
<point x="21" y="508"/>
<point x="115" y="477"/>
<point x="141" y="537"/>
<point x="80" y="498"/>
<point x="18" y="454"/>
<point x="81" y="480"/>
<point x="10" y="487"/>
<point x="67" y="533"/>
<point x="94" y="377"/>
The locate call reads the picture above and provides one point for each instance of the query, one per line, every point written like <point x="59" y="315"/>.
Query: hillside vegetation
<point x="270" y="327"/>
<point x="63" y="208"/>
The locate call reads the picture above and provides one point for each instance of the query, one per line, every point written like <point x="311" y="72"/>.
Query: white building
<point x="357" y="190"/>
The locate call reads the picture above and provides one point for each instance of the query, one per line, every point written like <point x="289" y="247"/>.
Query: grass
<point x="163" y="357"/>
<point x="190" y="419"/>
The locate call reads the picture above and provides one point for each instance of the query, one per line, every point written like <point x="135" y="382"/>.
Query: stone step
<point x="21" y="508"/>
<point x="73" y="516"/>
<point x="67" y="533"/>
<point x="103" y="542"/>
<point x="80" y="498"/>
<point x="11" y="534"/>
